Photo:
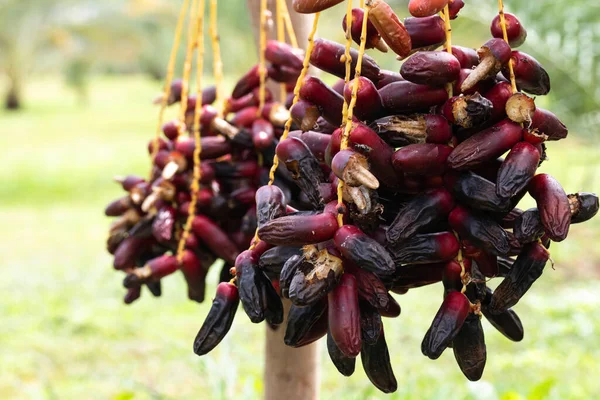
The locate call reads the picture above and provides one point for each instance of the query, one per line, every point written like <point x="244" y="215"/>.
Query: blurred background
<point x="76" y="82"/>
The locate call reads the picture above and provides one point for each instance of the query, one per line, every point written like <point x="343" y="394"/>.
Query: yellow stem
<point x="187" y="65"/>
<point x="197" y="171"/>
<point x="217" y="62"/>
<point x="288" y="25"/>
<point x="262" y="69"/>
<point x="281" y="38"/>
<point x="347" y="60"/>
<point x="350" y="111"/>
<point x="448" y="31"/>
<point x="169" y="78"/>
<point x="513" y="81"/>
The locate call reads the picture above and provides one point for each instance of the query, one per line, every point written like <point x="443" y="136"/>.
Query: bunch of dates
<point x="237" y="150"/>
<point x="431" y="185"/>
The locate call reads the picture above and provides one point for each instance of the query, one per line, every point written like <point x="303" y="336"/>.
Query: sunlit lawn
<point x="65" y="333"/>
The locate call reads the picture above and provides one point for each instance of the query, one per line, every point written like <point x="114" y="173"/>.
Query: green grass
<point x="66" y="335"/>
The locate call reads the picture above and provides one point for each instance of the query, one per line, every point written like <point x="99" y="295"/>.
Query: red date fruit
<point x="584" y="206"/>
<point x="531" y="77"/>
<point x="326" y="99"/>
<point x="481" y="230"/>
<point x="154" y="269"/>
<point x="247" y="83"/>
<point x="454" y="6"/>
<point x="525" y="271"/>
<point x="328" y="56"/>
<point x="469" y="348"/>
<point x="345" y="365"/>
<point x="316" y="142"/>
<point x="273" y="260"/>
<point x="305" y="115"/>
<point x="401" y="130"/>
<point x="546" y="123"/>
<point x="118" y="207"/>
<point x="215" y="238"/>
<point x="293" y="230"/>
<point x="370" y="287"/>
<point x="313" y="6"/>
<point x="486" y="263"/>
<point x="259" y="298"/>
<point x="427" y="32"/>
<point x="129" y="182"/>
<point x="451" y="277"/>
<point x="515" y="32"/>
<point x="486" y="145"/>
<point x="304" y="167"/>
<point x="390" y="28"/>
<point x="377" y="366"/>
<point x="425" y="249"/>
<point x="467" y="57"/>
<point x="417" y="275"/>
<point x="263" y="134"/>
<point x="477" y="192"/>
<point x="194" y="273"/>
<point x="467" y="111"/>
<point x="434" y="68"/>
<point x="499" y="95"/>
<point x="370" y="323"/>
<point x="445" y="326"/>
<point x="270" y="204"/>
<point x="553" y="204"/>
<point x="405" y="97"/>
<point x="493" y="56"/>
<point x="317" y="275"/>
<point x="363" y="250"/>
<point x="219" y="319"/>
<point x="129" y="250"/>
<point x="373" y="38"/>
<point x="365" y="141"/>
<point x="283" y="54"/>
<point x="517" y="170"/>
<point x="353" y="169"/>
<point x="288" y="271"/>
<point x="426" y="8"/>
<point x="132" y="294"/>
<point x="392" y="310"/>
<point x="387" y="77"/>
<point x="344" y="316"/>
<point x="481" y="86"/>
<point x="301" y="321"/>
<point x="282" y="74"/>
<point x="422" y="159"/>
<point x="368" y="102"/>
<point x="422" y="212"/>
<point x="507" y="323"/>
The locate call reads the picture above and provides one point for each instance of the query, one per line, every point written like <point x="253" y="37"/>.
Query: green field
<point x="66" y="334"/>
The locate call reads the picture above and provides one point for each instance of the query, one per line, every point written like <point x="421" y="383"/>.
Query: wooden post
<point x="290" y="374"/>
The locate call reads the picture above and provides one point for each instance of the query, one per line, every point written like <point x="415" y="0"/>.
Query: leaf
<point x="512" y="396"/>
<point x="542" y="390"/>
<point x="124" y="396"/>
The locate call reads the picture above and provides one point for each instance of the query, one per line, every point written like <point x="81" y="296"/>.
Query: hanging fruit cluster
<point x="381" y="183"/>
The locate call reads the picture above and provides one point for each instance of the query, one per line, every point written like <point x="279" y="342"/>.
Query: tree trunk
<point x="12" y="100"/>
<point x="290" y="374"/>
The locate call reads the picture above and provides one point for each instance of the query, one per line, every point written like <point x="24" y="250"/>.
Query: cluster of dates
<point x="427" y="196"/>
<point x="237" y="153"/>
